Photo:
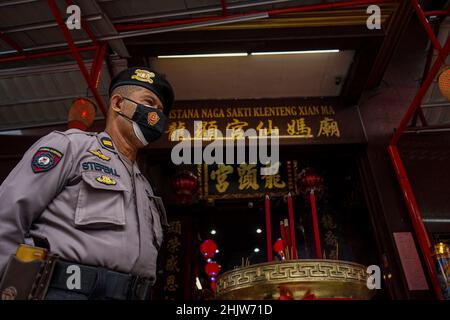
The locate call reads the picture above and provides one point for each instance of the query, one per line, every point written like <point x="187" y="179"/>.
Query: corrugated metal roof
<point x="42" y="95"/>
<point x="35" y="27"/>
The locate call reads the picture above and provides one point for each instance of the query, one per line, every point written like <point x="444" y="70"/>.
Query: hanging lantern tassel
<point x="268" y="229"/>
<point x="312" y="198"/>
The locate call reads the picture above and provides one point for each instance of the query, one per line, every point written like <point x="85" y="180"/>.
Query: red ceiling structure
<point x="402" y="176"/>
<point x="92" y="79"/>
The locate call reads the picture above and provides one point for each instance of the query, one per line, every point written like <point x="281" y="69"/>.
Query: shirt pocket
<point x="158" y="218"/>
<point x="100" y="201"/>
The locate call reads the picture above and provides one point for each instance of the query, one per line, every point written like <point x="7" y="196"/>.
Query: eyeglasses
<point x="146" y="105"/>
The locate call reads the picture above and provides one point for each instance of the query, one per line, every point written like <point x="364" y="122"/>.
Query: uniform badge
<point x="143" y="75"/>
<point x="106" y="180"/>
<point x="107" y="143"/>
<point x="45" y="159"/>
<point x="152" y="118"/>
<point x="99" y="154"/>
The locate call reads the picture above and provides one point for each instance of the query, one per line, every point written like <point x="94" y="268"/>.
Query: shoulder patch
<point x="45" y="159"/>
<point x="106" y="180"/>
<point x="100" y="155"/>
<point x="107" y="143"/>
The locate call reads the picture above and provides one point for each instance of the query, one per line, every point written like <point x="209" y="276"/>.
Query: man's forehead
<point x="145" y="93"/>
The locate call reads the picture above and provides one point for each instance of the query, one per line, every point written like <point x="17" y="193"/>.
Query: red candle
<point x="312" y="198"/>
<point x="268" y="229"/>
<point x="292" y="226"/>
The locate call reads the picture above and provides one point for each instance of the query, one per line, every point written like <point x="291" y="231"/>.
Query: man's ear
<point x="116" y="102"/>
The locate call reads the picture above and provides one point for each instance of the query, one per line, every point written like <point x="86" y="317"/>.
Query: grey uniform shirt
<point x="92" y="204"/>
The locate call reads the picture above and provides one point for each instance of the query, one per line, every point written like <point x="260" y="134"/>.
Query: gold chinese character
<point x="221" y="175"/>
<point x="173" y="245"/>
<point x="264" y="130"/>
<point x="170" y="283"/>
<point x="207" y="130"/>
<point x="172" y="130"/>
<point x="247" y="176"/>
<point x="329" y="127"/>
<point x="172" y="264"/>
<point x="174" y="227"/>
<point x="237" y="128"/>
<point x="299" y="127"/>
<point x="273" y="181"/>
<point x="327" y="222"/>
<point x="330" y="238"/>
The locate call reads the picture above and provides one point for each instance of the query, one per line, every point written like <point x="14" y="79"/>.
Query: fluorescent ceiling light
<point x="292" y="52"/>
<point x="206" y="55"/>
<point x="431" y="220"/>
<point x="243" y="54"/>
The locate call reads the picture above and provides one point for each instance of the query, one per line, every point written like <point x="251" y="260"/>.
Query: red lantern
<point x="82" y="114"/>
<point x="212" y="269"/>
<point x="208" y="249"/>
<point x="309" y="180"/>
<point x="444" y="82"/>
<point x="185" y="186"/>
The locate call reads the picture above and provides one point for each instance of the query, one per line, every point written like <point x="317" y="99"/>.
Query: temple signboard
<point x="307" y="122"/>
<point x="228" y="181"/>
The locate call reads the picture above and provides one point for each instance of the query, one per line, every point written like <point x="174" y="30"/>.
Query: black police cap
<point x="146" y="78"/>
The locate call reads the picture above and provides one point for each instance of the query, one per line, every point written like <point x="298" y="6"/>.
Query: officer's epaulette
<point x="78" y="131"/>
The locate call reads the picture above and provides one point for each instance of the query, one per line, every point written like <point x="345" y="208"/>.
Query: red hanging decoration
<point x="212" y="269"/>
<point x="309" y="180"/>
<point x="82" y="114"/>
<point x="208" y="249"/>
<point x="444" y="82"/>
<point x="185" y="186"/>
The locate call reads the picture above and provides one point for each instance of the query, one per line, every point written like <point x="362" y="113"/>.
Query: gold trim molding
<point x="323" y="278"/>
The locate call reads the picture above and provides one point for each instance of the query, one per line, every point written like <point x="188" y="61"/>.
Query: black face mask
<point x="148" y="122"/>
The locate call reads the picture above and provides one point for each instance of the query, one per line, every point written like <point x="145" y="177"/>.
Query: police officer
<point x="84" y="194"/>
